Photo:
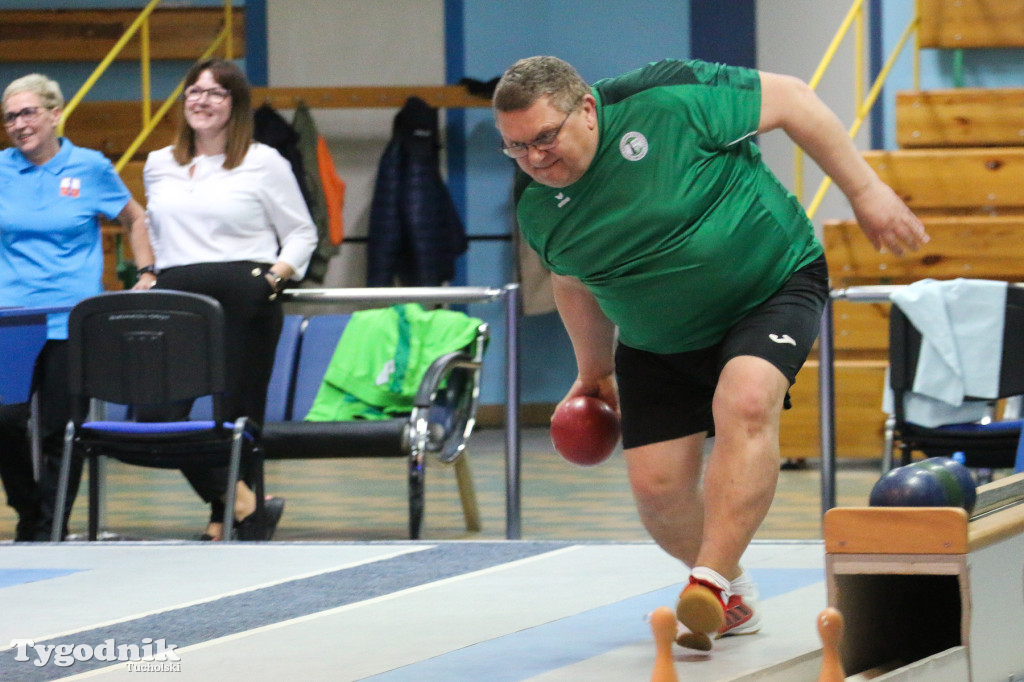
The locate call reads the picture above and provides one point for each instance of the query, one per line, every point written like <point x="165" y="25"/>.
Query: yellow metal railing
<point x="855" y="17"/>
<point x="149" y="120"/>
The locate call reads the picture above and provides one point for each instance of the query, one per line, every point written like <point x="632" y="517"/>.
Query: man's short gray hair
<point x="47" y="89"/>
<point x="532" y="78"/>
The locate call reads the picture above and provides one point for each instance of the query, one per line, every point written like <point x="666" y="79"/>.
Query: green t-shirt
<point x="677" y="227"/>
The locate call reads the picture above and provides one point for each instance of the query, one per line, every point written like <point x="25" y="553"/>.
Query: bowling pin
<point x="663" y="625"/>
<point x="830" y="629"/>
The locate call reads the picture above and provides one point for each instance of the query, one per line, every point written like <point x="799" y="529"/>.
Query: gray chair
<point x="986" y="444"/>
<point x="151" y="349"/>
<point x="441" y="421"/>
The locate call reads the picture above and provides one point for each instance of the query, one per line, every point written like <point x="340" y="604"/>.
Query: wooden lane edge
<point x="999" y="524"/>
<point x="928" y="530"/>
<point x="995" y="527"/>
<point x="896" y="530"/>
<point x="999" y="493"/>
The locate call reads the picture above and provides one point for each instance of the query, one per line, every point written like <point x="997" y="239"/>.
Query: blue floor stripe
<point x="570" y="640"/>
<point x="19" y="576"/>
<point x="293" y="599"/>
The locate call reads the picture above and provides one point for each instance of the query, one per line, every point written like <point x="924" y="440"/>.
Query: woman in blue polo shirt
<point x="52" y="195"/>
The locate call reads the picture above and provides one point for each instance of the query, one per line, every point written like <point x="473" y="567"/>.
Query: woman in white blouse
<point x="227" y="219"/>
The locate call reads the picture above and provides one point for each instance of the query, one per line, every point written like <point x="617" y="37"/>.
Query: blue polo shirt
<point x="51" y="251"/>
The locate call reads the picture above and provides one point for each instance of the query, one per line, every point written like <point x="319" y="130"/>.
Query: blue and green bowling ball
<point x="948" y="467"/>
<point x="910" y="486"/>
<point x="934" y="482"/>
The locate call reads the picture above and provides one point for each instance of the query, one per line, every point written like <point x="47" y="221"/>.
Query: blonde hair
<point x="532" y="78"/>
<point x="47" y="89"/>
<point x="240" y="124"/>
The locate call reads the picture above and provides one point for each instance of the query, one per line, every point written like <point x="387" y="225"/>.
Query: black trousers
<point x="252" y="328"/>
<point x="34" y="501"/>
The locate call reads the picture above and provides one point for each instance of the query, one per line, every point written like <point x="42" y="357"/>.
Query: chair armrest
<point x="439" y="369"/>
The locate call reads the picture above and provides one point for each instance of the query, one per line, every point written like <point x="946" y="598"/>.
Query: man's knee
<point x="751" y="391"/>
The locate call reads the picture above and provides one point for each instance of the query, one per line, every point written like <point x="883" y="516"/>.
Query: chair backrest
<point x="905" y="349"/>
<point x="281" y="379"/>
<point x="286" y="357"/>
<point x="320" y="336"/>
<point x="130" y="347"/>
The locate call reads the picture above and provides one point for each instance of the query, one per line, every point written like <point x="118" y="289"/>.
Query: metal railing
<point x="149" y="120"/>
<point x="855" y="17"/>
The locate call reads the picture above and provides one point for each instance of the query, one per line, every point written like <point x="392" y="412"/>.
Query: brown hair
<point x="240" y="125"/>
<point x="529" y="79"/>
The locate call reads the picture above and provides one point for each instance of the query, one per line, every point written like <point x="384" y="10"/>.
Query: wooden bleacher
<point x="959" y="167"/>
<point x="61" y="35"/>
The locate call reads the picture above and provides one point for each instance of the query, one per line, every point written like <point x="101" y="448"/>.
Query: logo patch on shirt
<point x="562" y="199"/>
<point x="633" y="146"/>
<point x="70" y="187"/>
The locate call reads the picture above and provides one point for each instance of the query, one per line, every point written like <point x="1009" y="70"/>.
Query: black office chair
<point x="151" y="349"/>
<point x="987" y="444"/>
<point x="441" y="421"/>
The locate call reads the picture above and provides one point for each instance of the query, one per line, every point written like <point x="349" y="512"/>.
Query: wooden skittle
<point x="663" y="625"/>
<point x="830" y="629"/>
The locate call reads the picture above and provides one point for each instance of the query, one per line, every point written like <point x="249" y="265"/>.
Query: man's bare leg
<point x="665" y="478"/>
<point x="743" y="468"/>
<point x="739" y="484"/>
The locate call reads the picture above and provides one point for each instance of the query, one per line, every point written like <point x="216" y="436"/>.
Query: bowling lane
<point x="573" y="613"/>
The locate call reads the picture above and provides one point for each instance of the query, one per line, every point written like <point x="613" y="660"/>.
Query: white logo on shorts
<point x="785" y="338"/>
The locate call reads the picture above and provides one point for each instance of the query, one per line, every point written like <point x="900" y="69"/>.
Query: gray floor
<point x="388" y="611"/>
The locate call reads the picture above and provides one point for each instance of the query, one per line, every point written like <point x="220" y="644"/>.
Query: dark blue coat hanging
<point x="415" y="233"/>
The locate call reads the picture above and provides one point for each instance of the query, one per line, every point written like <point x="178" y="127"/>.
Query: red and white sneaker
<point x="701" y="607"/>
<point x="741" y="618"/>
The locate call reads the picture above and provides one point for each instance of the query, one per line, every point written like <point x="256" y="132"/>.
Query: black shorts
<point x="668" y="396"/>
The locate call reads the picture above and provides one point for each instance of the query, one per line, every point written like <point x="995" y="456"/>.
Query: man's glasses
<point x="215" y="95"/>
<point x="28" y="113"/>
<point x="543" y="142"/>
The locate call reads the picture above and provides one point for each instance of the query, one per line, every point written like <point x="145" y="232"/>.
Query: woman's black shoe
<point x="248" y="528"/>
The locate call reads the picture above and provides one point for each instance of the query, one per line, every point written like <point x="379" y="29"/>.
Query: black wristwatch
<point x="276" y="286"/>
<point x="147" y="269"/>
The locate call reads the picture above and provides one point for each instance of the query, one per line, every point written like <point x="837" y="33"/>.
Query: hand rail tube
<point x="872" y="293"/>
<point x="114" y="51"/>
<point x="864" y="104"/>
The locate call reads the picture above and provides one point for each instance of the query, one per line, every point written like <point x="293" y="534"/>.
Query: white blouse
<point x="254" y="212"/>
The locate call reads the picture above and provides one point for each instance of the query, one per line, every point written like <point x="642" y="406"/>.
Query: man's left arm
<point x="788" y="103"/>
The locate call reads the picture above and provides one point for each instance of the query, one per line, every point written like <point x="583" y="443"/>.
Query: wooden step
<point x="976" y="179"/>
<point x="860" y="330"/>
<point x="971" y="23"/>
<point x="860" y="421"/>
<point x="960" y="117"/>
<point x="111" y="126"/>
<point x="967" y="246"/>
<point x="88" y="35"/>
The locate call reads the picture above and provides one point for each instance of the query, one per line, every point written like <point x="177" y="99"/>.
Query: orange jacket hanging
<point x="334" y="191"/>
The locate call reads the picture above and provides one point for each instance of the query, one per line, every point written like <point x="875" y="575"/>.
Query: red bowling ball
<point x="585" y="430"/>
